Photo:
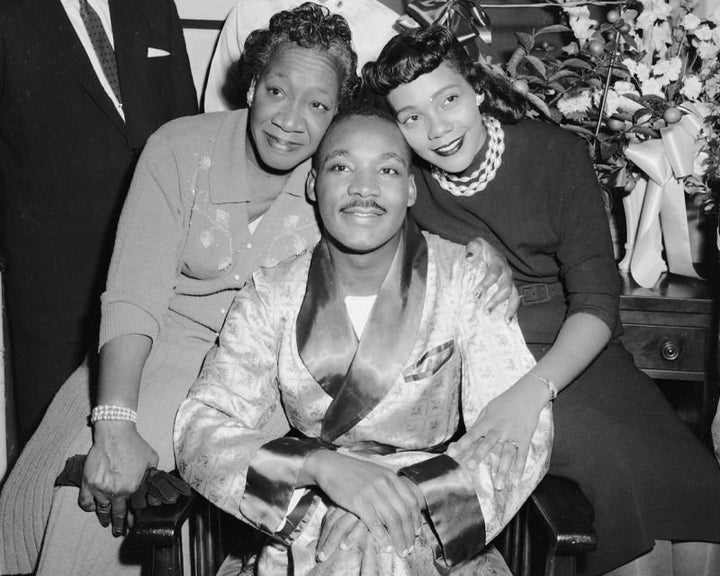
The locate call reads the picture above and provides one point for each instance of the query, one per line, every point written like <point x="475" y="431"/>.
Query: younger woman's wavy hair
<point x="421" y="50"/>
<point x="308" y="26"/>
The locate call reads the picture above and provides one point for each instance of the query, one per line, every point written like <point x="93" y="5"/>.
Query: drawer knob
<point x="670" y="351"/>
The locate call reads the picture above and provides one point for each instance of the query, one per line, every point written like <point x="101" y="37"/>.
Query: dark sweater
<point x="544" y="211"/>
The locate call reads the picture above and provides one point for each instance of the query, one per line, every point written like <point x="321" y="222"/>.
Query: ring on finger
<point x="104" y="506"/>
<point x="513" y="444"/>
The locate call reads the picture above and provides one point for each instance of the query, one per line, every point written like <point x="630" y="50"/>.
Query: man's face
<point x="362" y="183"/>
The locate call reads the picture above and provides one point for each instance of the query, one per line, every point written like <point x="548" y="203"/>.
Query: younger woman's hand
<point x="497" y="284"/>
<point x="114" y="468"/>
<point x="504" y="427"/>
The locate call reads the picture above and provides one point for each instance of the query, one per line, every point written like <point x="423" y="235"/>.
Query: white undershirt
<point x="359" y="308"/>
<point x="72" y="8"/>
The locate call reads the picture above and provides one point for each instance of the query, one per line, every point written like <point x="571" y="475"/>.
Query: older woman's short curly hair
<point x="308" y="26"/>
<point x="419" y="51"/>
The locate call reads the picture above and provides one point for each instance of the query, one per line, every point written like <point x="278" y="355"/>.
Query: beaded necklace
<point x="479" y="179"/>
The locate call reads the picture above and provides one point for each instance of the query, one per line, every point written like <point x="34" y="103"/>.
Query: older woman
<point x="214" y="197"/>
<point x="530" y="189"/>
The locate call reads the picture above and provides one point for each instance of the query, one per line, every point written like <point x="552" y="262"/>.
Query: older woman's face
<point x="295" y="100"/>
<point x="438" y="115"/>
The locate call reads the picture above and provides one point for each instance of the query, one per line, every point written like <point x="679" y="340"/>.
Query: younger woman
<point x="530" y="189"/>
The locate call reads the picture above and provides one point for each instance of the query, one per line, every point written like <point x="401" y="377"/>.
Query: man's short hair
<point x="367" y="111"/>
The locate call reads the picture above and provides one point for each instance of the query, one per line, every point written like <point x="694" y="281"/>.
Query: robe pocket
<point x="431" y="362"/>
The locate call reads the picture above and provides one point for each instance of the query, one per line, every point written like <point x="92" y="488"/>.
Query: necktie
<point x="101" y="45"/>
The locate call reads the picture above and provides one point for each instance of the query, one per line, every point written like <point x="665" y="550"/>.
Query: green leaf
<point x="578" y="130"/>
<point x="560" y="74"/>
<point x="630" y="41"/>
<point x="536" y="63"/>
<point x="621" y="73"/>
<point x="526" y="40"/>
<point x="577" y="63"/>
<point x="552" y="29"/>
<point x="538" y="103"/>
<point x="629" y="15"/>
<point x="607" y="149"/>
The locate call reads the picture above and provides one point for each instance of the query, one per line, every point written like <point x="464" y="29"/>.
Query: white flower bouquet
<point x="643" y="89"/>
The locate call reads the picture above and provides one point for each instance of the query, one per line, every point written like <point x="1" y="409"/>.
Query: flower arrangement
<point x="624" y="81"/>
<point x="642" y="87"/>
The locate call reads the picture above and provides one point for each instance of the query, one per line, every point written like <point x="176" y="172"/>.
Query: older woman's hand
<point x="114" y="468"/>
<point x="497" y="284"/>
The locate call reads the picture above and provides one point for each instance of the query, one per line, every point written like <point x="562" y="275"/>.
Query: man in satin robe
<point x="375" y="349"/>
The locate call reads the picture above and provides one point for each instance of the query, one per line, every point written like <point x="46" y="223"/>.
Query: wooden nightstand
<point x="671" y="330"/>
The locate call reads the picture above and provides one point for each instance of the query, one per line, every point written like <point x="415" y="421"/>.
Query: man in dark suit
<point x="68" y="144"/>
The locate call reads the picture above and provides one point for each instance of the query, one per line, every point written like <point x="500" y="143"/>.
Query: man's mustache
<point x="364" y="204"/>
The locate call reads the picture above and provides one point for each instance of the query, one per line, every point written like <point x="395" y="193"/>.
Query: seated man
<point x="375" y="349"/>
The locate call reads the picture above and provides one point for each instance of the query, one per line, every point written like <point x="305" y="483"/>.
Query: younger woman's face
<point x="438" y="115"/>
<point x="295" y="99"/>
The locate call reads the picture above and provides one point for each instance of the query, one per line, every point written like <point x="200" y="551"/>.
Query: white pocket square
<point x="157" y="52"/>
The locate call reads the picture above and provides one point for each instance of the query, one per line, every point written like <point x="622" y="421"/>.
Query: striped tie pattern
<point x="101" y="45"/>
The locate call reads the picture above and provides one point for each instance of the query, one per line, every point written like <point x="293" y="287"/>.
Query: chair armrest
<point x="550" y="532"/>
<point x="560" y="525"/>
<point x="563" y="513"/>
<point x="158" y="529"/>
<point x="160" y="525"/>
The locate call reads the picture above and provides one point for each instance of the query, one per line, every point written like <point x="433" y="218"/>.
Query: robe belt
<point x="370" y="447"/>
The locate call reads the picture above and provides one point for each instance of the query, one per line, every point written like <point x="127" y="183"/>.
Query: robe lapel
<point x="325" y="336"/>
<point x="359" y="375"/>
<point x="52" y="22"/>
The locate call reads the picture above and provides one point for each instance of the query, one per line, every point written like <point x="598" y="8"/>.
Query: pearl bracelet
<point x="108" y="412"/>
<point x="549" y="383"/>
